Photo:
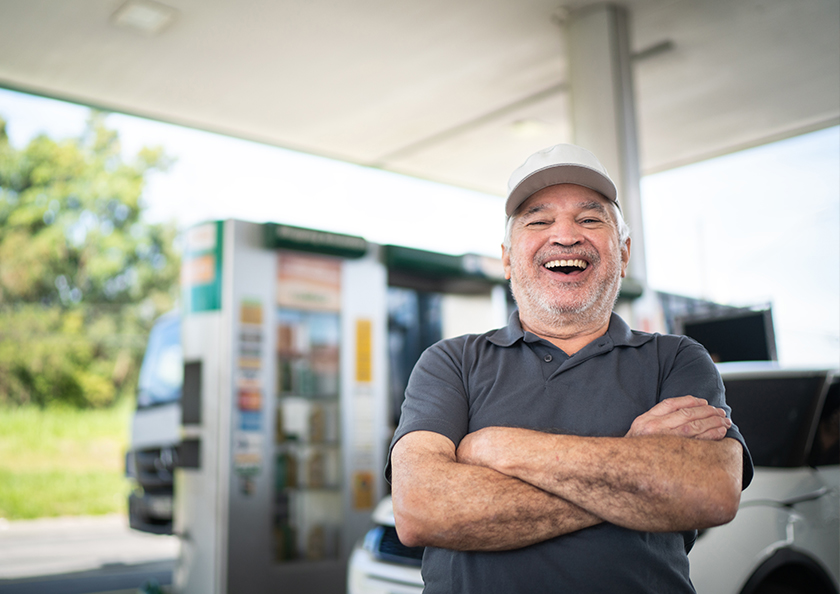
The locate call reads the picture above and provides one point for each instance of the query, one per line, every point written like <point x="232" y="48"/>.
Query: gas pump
<point x="285" y="406"/>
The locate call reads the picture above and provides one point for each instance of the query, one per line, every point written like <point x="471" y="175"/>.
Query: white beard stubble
<point x="563" y="304"/>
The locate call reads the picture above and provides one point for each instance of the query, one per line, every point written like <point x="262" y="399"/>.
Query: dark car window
<point x="162" y="373"/>
<point x="826" y="448"/>
<point x="776" y="416"/>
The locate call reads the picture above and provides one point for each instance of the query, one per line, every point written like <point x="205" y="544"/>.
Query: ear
<point x="625" y="257"/>
<point x="506" y="261"/>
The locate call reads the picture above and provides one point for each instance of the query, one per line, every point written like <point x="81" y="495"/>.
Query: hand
<point x="685" y="416"/>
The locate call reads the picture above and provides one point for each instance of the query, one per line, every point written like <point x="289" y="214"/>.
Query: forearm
<point x="439" y="502"/>
<point x="655" y="483"/>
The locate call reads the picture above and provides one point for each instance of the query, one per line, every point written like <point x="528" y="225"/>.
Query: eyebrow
<point x="593" y="205"/>
<point x="583" y="205"/>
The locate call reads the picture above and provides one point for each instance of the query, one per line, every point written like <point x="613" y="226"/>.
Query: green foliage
<point x="30" y="495"/>
<point x="62" y="461"/>
<point x="82" y="277"/>
<point x="82" y="356"/>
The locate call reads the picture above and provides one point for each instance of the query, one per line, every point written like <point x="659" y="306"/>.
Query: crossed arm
<point x="505" y="488"/>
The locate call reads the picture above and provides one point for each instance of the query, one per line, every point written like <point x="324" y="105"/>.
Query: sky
<point x="218" y="177"/>
<point x="760" y="227"/>
<point x="753" y="228"/>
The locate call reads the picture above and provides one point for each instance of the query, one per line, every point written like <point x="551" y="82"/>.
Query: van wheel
<point x="793" y="580"/>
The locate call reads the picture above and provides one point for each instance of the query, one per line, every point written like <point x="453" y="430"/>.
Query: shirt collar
<point x="621" y="334"/>
<point x="510" y="334"/>
<point x="618" y="333"/>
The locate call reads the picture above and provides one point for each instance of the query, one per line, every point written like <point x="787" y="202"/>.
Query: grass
<point x="62" y="461"/>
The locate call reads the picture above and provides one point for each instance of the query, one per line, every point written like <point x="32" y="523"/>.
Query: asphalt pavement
<point x="83" y="555"/>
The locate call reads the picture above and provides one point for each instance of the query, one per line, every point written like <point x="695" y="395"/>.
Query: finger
<point x="697" y="420"/>
<point x="684" y="416"/>
<point x="700" y="426"/>
<point x="699" y="412"/>
<point x="670" y="405"/>
<point x="679" y="421"/>
<point x="715" y="434"/>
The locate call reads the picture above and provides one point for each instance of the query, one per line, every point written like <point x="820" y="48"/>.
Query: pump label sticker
<point x="201" y="270"/>
<point x="362" y="490"/>
<point x="250" y="420"/>
<point x="247" y="452"/>
<point x="249" y="399"/>
<point x="248" y="439"/>
<point x="308" y="282"/>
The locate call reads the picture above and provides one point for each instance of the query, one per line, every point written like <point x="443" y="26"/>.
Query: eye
<point x="537" y="223"/>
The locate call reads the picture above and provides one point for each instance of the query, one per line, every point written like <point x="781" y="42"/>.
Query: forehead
<point x="565" y="196"/>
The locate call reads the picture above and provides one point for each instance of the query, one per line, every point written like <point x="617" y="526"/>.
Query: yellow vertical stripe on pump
<point x="364" y="361"/>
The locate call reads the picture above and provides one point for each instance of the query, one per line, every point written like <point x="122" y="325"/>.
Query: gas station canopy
<point x="456" y="92"/>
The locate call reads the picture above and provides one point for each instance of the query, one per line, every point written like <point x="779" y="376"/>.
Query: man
<point x="564" y="452"/>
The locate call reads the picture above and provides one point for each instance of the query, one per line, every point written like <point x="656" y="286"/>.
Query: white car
<point x="785" y="538"/>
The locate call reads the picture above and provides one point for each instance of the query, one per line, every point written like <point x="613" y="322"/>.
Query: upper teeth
<point x="577" y="263"/>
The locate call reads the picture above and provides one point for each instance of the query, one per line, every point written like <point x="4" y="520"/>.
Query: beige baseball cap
<point x="559" y="164"/>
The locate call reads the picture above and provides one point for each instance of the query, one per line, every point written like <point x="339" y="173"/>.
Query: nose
<point x="566" y="233"/>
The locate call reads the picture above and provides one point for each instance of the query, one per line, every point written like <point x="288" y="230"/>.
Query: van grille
<point x="153" y="467"/>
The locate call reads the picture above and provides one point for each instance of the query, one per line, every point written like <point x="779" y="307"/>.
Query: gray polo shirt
<point x="512" y="378"/>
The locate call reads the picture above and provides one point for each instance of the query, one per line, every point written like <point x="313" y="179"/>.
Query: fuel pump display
<point x="307" y="483"/>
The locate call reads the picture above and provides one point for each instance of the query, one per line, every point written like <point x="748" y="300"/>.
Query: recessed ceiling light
<point x="145" y="16"/>
<point x="528" y="128"/>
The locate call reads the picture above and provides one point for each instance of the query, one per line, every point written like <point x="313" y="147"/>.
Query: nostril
<point x="567" y="243"/>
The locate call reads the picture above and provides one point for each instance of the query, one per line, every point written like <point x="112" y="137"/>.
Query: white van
<point x="155" y="426"/>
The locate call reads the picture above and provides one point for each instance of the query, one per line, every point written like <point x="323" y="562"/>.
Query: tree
<point x="82" y="276"/>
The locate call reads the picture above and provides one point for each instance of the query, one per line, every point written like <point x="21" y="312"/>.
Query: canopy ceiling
<point x="456" y="92"/>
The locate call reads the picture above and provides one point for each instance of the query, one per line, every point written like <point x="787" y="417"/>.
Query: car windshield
<point x="162" y="373"/>
<point x="776" y="415"/>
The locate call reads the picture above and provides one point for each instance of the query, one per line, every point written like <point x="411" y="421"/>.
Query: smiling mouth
<point x="566" y="266"/>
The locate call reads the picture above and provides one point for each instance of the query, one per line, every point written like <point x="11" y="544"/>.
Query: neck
<point x="568" y="337"/>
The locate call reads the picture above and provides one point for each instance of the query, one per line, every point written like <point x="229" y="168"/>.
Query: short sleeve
<point x="693" y="373"/>
<point x="435" y="399"/>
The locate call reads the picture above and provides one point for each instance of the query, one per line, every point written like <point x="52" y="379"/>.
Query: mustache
<point x="561" y="253"/>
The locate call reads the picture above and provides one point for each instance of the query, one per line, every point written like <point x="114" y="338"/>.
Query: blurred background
<point x="125" y="124"/>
